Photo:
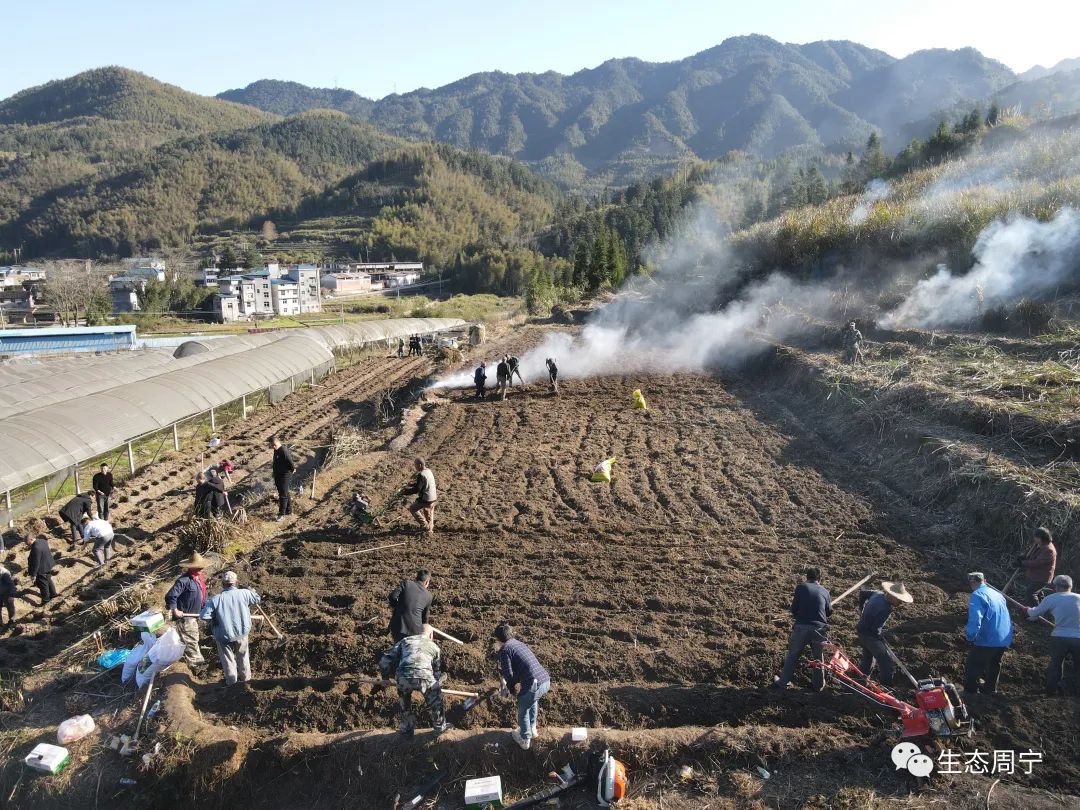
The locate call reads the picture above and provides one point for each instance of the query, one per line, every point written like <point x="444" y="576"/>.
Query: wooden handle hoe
<point x="447" y="636"/>
<point x="269" y="621"/>
<point x="1020" y="605"/>
<point x="145" y="703"/>
<point x="854" y="587"/>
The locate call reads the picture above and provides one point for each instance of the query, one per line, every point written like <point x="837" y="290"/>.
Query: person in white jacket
<point x="100" y="532"/>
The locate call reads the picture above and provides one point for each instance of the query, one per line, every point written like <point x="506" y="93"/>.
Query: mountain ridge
<point x="750" y="93"/>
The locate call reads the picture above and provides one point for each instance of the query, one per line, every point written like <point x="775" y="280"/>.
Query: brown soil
<point x="658" y="602"/>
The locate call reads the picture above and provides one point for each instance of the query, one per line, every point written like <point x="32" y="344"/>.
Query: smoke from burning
<point x="698" y="311"/>
<point x="876" y="190"/>
<point x="1015" y="259"/>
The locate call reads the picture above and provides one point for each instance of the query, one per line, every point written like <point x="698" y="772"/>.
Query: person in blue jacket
<point x="989" y="631"/>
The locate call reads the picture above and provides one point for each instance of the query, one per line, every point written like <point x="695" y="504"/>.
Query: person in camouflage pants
<point x="416" y="661"/>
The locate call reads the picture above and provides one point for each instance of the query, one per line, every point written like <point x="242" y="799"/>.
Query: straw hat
<point x="897" y="591"/>
<point x="197" y="561"/>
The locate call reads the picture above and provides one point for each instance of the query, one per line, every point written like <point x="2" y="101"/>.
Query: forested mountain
<point x="118" y="94"/>
<point x="628" y="119"/>
<point x="1039" y="72"/>
<point x="290" y="98"/>
<point x="72" y="130"/>
<point x="164" y="195"/>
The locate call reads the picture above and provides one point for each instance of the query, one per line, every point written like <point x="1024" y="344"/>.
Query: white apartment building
<point x="265" y="292"/>
<point x="285" y="295"/>
<point x="306" y="277"/>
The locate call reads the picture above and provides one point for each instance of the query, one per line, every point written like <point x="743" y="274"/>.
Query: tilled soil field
<point x="153" y="502"/>
<point x="658" y="600"/>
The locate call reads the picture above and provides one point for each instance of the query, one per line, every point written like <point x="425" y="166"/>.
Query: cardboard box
<point x="47" y="758"/>
<point x="149" y="620"/>
<point x="483" y="792"/>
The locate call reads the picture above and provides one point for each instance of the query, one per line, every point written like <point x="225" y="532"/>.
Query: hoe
<point x="938" y="712"/>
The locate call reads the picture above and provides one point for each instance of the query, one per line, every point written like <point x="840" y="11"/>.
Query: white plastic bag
<point x="74" y="728"/>
<point x="167" y="650"/>
<point x="136" y="656"/>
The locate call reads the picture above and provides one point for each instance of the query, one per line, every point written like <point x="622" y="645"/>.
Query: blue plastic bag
<point x="112" y="658"/>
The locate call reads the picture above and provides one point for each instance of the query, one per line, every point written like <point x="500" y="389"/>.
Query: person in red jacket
<point x="1039" y="566"/>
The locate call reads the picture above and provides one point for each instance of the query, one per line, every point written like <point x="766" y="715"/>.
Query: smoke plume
<point x="699" y="310"/>
<point x="1014" y="259"/>
<point x="876" y="191"/>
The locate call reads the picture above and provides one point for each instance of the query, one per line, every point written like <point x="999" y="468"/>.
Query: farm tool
<point x="854" y="587"/>
<point x="938" y="712"/>
<point x="447" y="636"/>
<point x="341" y="553"/>
<point x="278" y="633"/>
<point x="604" y="776"/>
<point x="385" y="682"/>
<point x="419" y="794"/>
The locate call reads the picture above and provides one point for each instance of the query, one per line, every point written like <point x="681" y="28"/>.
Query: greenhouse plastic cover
<point x="62" y="413"/>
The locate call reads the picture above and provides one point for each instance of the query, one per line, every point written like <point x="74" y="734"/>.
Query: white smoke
<point x="656" y="338"/>
<point x="1014" y="259"/>
<point x="699" y="310"/>
<point x="876" y="191"/>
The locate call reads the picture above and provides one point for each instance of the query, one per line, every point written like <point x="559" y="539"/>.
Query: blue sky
<point x="376" y="48"/>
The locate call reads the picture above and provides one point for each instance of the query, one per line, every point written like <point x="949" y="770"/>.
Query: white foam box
<point x="579" y="733"/>
<point x="47" y="758"/>
<point x="149" y="620"/>
<point x="484" y="792"/>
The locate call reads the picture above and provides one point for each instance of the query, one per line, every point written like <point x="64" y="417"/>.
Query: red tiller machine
<point x="938" y="712"/>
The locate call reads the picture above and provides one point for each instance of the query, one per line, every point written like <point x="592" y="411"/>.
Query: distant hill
<point x="429" y="202"/>
<point x="164" y="195"/>
<point x="118" y="94"/>
<point x="1040" y="72"/>
<point x="69" y="130"/>
<point x="290" y="98"/>
<point x="1053" y="95"/>
<point x="628" y="119"/>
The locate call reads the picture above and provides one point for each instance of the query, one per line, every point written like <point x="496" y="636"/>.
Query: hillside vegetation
<point x="932" y="213"/>
<point x="76" y="129"/>
<point x="163" y="196"/>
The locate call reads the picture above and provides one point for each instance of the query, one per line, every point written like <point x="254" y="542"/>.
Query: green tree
<point x="598" y="261"/>
<point x="850" y="180"/>
<point x="581" y="263"/>
<point x="227" y="258"/>
<point x="251" y="258"/>
<point x="993" y="114"/>
<point x="873" y="163"/>
<point x="817" y="189"/>
<point x="615" y="259"/>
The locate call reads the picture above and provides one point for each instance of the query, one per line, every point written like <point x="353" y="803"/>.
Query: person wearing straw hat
<point x="184" y="602"/>
<point x="876" y="607"/>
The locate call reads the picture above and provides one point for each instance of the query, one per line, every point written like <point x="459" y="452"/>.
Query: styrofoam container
<point x="148" y="620"/>
<point x="579" y="733"/>
<point x="47" y="758"/>
<point x="484" y="791"/>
